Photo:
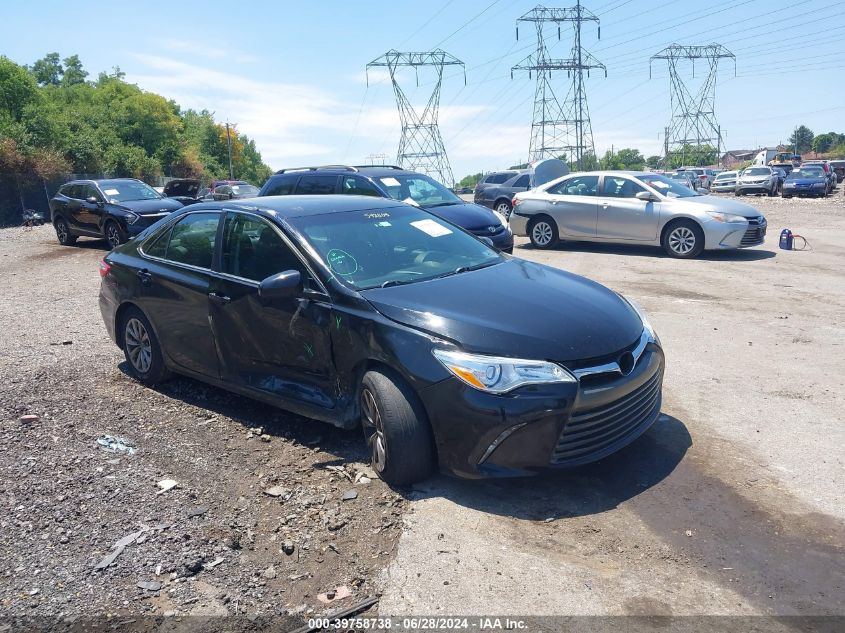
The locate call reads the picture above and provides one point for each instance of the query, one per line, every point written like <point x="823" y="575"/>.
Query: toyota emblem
<point x="492" y="229"/>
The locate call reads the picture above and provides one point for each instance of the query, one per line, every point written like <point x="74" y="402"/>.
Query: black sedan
<point x="115" y="209"/>
<point x="362" y="310"/>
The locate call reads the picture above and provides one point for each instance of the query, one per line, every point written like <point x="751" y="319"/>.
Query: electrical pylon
<point x="557" y="128"/>
<point x="693" y="126"/>
<point x="420" y="146"/>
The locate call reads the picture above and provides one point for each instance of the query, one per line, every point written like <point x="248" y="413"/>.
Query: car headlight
<point x="728" y="218"/>
<point x="496" y="374"/>
<point x="647" y="326"/>
<point x="131" y="218"/>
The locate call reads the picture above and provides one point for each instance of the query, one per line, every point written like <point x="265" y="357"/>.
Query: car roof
<point x="297" y="206"/>
<point x="101" y="181"/>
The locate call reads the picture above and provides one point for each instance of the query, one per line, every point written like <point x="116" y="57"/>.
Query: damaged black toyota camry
<point x="359" y="310"/>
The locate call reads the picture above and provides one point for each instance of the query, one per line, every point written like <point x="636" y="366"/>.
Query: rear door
<point x="174" y="290"/>
<point x="281" y="348"/>
<point x="621" y="215"/>
<point x="73" y="209"/>
<point x="90" y="215"/>
<point x="573" y="205"/>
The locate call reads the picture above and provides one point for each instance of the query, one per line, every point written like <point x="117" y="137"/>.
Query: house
<point x="734" y="157"/>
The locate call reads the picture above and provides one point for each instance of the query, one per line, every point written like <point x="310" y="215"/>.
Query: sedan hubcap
<point x="139" y="348"/>
<point x="541" y="233"/>
<point x="682" y="240"/>
<point x="373" y="429"/>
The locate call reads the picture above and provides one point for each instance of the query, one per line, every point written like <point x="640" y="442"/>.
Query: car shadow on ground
<point x="739" y="255"/>
<point x="582" y="491"/>
<point x="342" y="445"/>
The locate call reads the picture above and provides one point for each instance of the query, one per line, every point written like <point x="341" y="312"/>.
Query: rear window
<point x="499" y="178"/>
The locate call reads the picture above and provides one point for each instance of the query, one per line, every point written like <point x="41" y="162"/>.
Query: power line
<point x="467" y="23"/>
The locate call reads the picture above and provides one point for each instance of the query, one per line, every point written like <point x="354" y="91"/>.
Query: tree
<point x="653" y="162"/>
<point x="823" y="143"/>
<point x="74" y="73"/>
<point x="17" y="89"/>
<point x="471" y="180"/>
<point x="48" y="70"/>
<point x="631" y="159"/>
<point x="802" y="139"/>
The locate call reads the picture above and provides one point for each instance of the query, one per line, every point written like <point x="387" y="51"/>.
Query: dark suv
<point x="389" y="181"/>
<point x="115" y="209"/>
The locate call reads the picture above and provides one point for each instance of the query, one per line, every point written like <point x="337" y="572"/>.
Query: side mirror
<point x="280" y="286"/>
<point x="93" y="200"/>
<point x="647" y="196"/>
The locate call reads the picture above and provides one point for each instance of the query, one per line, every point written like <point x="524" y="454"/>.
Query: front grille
<point x="755" y="233"/>
<point x="486" y="232"/>
<point x="591" y="431"/>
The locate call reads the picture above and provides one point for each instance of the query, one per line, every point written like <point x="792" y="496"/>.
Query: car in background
<point x="390" y="181"/>
<point x="758" y="179"/>
<point x="807" y="180"/>
<point x="724" y="182"/>
<point x="367" y="312"/>
<point x="499" y="196"/>
<point x="829" y="173"/>
<point x="702" y="175"/>
<point x="838" y="169"/>
<point x="490" y="180"/>
<point x="115" y="209"/>
<point x="234" y="191"/>
<point x="630" y="207"/>
<point x="465" y="190"/>
<point x="686" y="178"/>
<point x="185" y="190"/>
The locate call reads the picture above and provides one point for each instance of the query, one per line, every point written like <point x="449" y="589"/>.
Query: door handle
<point x="145" y="276"/>
<point x="220" y="300"/>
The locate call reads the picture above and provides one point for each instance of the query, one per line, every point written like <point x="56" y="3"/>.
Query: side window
<point x="252" y="249"/>
<point x="192" y="240"/>
<point x="498" y="179"/>
<point x="281" y="186"/>
<point x="158" y="247"/>
<point x="353" y="185"/>
<point x="74" y="191"/>
<point x="67" y="191"/>
<point x="576" y="186"/>
<point x="522" y="181"/>
<point x="90" y="190"/>
<point x="314" y="185"/>
<point x="617" y="187"/>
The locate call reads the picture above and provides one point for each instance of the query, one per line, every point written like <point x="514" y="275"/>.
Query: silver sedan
<point x="630" y="207"/>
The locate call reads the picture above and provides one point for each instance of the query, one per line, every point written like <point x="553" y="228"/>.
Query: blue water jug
<point x="786" y="240"/>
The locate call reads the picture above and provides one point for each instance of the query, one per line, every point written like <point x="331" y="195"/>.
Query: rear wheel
<point x="115" y="235"/>
<point x="396" y="429"/>
<point x="142" y="349"/>
<point x="63" y="233"/>
<point x="504" y="208"/>
<point x="543" y="233"/>
<point x="683" y="239"/>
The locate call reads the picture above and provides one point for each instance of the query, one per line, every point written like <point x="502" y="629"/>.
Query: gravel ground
<point x="217" y="543"/>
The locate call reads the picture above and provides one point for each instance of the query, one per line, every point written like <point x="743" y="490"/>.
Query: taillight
<point x="515" y="202"/>
<point x="105" y="268"/>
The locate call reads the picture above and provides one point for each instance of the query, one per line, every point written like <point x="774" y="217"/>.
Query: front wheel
<point x="396" y="429"/>
<point x="683" y="239"/>
<point x="115" y="235"/>
<point x="503" y="207"/>
<point x="737" y="192"/>
<point x="63" y="233"/>
<point x="142" y="349"/>
<point x="543" y="233"/>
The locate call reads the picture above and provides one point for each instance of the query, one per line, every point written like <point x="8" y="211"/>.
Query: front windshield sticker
<point x="432" y="228"/>
<point x="111" y="192"/>
<point x="390" y="182"/>
<point x="658" y="185"/>
<point x="341" y="262"/>
<point x="385" y="224"/>
<point x="410" y="200"/>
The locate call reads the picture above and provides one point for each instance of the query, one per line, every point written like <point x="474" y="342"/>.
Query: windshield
<point x="806" y="172"/>
<point x="667" y="187"/>
<point x="245" y="191"/>
<point x="126" y="191"/>
<point x="372" y="249"/>
<point x="726" y="175"/>
<point x="756" y="171"/>
<point x="418" y="189"/>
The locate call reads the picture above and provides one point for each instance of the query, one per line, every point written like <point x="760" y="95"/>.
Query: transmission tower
<point x="560" y="128"/>
<point x="420" y="146"/>
<point x="693" y="126"/>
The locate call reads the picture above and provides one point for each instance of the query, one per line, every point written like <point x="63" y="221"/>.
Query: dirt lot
<point x="731" y="504"/>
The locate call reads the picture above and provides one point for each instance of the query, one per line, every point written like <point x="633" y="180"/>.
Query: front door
<point x="572" y="204"/>
<point x="282" y="348"/>
<point x="174" y="291"/>
<point x="621" y="215"/>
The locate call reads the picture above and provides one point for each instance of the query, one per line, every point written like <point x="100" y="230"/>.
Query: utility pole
<point x="693" y="124"/>
<point x="420" y="146"/>
<point x="229" y="144"/>
<point x="372" y="158"/>
<point x="560" y="128"/>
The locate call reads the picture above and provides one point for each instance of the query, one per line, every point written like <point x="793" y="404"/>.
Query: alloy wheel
<point x="682" y="240"/>
<point x="113" y="235"/>
<point x="374" y="430"/>
<point x="139" y="348"/>
<point x="542" y="233"/>
<point x="61" y="231"/>
<point x="504" y="208"/>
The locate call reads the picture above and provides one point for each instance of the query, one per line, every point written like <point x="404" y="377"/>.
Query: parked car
<point x="829" y="173"/>
<point x="114" y="209"/>
<point x="234" y="191"/>
<point x="725" y="182"/>
<point x="629" y="207"/>
<point x="807" y="180"/>
<point x="702" y="175"/>
<point x="185" y="190"/>
<point x="490" y="180"/>
<point x="838" y="169"/>
<point x="368" y="311"/>
<point x="499" y="196"/>
<point x="758" y="179"/>
<point x="688" y="179"/>
<point x="388" y="181"/>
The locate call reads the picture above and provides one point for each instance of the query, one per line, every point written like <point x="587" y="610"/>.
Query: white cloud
<point x="207" y="49"/>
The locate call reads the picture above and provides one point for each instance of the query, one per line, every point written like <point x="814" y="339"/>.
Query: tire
<point x="63" y="233"/>
<point x="737" y="192"/>
<point x="773" y="191"/>
<point x="504" y="207"/>
<point x="142" y="349"/>
<point x="683" y="239"/>
<point x="396" y="429"/>
<point x="114" y="234"/>
<point x="784" y="196"/>
<point x="543" y="233"/>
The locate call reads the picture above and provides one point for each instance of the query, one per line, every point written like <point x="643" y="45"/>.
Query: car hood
<point x="470" y="216"/>
<point x="187" y="187"/>
<point x="517" y="309"/>
<point x="144" y="207"/>
<point x="699" y="204"/>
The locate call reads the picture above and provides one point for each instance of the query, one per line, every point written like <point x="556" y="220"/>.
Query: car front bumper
<point x="724" y="188"/>
<point x="537" y="428"/>
<point x="721" y="235"/>
<point x="757" y="187"/>
<point x="805" y="191"/>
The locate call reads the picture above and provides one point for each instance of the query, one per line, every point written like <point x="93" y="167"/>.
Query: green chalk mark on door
<point x="337" y="320"/>
<point x="309" y="349"/>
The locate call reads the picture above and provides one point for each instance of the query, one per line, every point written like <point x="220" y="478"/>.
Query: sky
<point x="292" y="75"/>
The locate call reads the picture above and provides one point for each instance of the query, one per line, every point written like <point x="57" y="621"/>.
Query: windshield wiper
<point x="395" y="282"/>
<point x="440" y="204"/>
<point x="466" y="269"/>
